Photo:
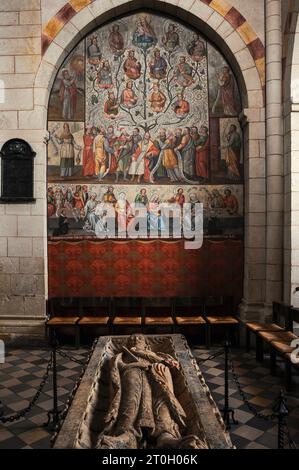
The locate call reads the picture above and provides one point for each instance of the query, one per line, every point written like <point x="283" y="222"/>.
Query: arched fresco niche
<point x="144" y="110"/>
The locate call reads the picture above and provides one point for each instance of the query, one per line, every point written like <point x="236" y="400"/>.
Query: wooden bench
<point x="95" y="319"/>
<point x="188" y="316"/>
<point x="63" y="317"/>
<point x="221" y="312"/>
<point x="281" y="346"/>
<point x="83" y="315"/>
<point x="159" y="316"/>
<point x="280" y="329"/>
<point x="255" y="327"/>
<point x="127" y="316"/>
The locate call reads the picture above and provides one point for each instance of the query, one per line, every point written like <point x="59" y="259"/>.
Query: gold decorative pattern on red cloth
<point x="133" y="268"/>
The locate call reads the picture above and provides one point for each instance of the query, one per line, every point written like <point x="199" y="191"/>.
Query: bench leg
<point x="47" y="333"/>
<point x="77" y="337"/>
<point x="272" y="361"/>
<point x="259" y="349"/>
<point x="247" y="339"/>
<point x="237" y="335"/>
<point x="288" y="375"/>
<point x="208" y="336"/>
<point x="51" y="335"/>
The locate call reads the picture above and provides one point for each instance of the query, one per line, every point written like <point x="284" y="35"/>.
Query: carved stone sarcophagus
<point x="152" y="396"/>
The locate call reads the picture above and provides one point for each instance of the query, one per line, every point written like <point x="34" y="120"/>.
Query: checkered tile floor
<point x="24" y="368"/>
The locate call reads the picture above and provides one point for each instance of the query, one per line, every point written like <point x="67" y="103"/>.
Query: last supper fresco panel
<point x="144" y="107"/>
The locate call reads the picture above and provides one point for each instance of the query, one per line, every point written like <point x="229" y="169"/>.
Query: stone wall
<point x="22" y="230"/>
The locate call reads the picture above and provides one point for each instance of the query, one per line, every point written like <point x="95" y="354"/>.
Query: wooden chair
<point x="127" y="315"/>
<point x="188" y="315"/>
<point x="96" y="319"/>
<point x="220" y="312"/>
<point x="273" y="326"/>
<point x="158" y="313"/>
<point x="283" y="319"/>
<point x="63" y="316"/>
<point x="282" y="347"/>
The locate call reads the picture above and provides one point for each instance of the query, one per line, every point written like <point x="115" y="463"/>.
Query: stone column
<point x="274" y="155"/>
<point x="291" y="155"/>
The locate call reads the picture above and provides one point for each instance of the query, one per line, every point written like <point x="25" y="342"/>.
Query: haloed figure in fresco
<point x="157" y="99"/>
<point x="187" y="150"/>
<point x="100" y="153"/>
<point x="232" y="148"/>
<point x="181" y="106"/>
<point x="116" y="41"/>
<point x="183" y="73"/>
<point x="132" y="66"/>
<point x="93" y="51"/>
<point x="141" y="158"/>
<point x="68" y="95"/>
<point x="158" y="66"/>
<point x="88" y="156"/>
<point x="171" y="39"/>
<point x="67" y="151"/>
<point x="201" y="142"/>
<point x="104" y="76"/>
<point x="226" y="97"/>
<point x="111" y="106"/>
<point x="144" y="36"/>
<point x="128" y="96"/>
<point x="196" y="48"/>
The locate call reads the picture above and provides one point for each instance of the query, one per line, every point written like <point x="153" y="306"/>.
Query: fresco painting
<point x="78" y="210"/>
<point x="231" y="149"/>
<point x="145" y="106"/>
<point x="67" y="99"/>
<point x="65" y="149"/>
<point x="224" y="97"/>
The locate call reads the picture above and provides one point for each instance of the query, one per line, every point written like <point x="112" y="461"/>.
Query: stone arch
<point x="234" y="36"/>
<point x="230" y="32"/>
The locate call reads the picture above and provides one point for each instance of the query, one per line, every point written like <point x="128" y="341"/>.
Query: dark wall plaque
<point x="17" y="171"/>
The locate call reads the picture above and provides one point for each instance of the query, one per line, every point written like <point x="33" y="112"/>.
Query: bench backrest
<point x="282" y="314"/>
<point x="189" y="306"/>
<point x="220" y="305"/>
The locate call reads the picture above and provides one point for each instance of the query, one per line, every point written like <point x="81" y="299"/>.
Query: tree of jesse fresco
<point x="147" y="102"/>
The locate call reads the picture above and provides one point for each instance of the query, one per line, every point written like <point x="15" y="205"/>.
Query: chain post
<point x="281" y="411"/>
<point x="53" y="415"/>
<point x="210" y="358"/>
<point x="228" y="413"/>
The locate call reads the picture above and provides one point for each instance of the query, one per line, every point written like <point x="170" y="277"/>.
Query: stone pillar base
<point x="12" y="328"/>
<point x="252" y="311"/>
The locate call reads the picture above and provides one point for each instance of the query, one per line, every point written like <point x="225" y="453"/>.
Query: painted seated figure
<point x="144" y="411"/>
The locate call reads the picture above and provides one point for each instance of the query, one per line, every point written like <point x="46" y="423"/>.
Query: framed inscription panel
<point x="17" y="167"/>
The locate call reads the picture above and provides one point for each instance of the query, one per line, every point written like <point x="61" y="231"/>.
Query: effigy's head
<point x="137" y="341"/>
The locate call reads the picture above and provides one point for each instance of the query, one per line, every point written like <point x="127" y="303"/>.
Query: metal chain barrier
<point x="67" y="356"/>
<point x="22" y="413"/>
<point x="280" y="411"/>
<point x="286" y="433"/>
<point x="213" y="356"/>
<point x="63" y="413"/>
<point x="252" y="409"/>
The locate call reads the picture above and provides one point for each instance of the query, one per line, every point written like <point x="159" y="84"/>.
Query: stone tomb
<point x="84" y="422"/>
